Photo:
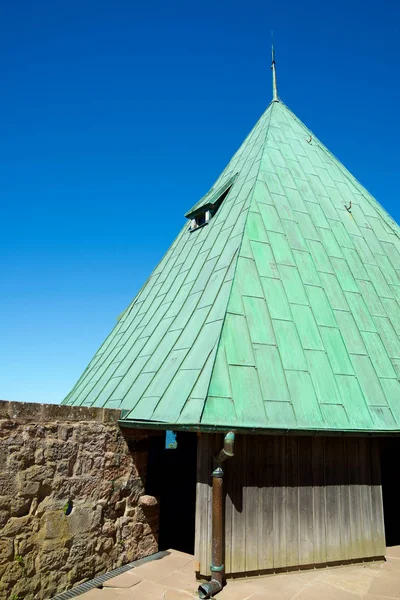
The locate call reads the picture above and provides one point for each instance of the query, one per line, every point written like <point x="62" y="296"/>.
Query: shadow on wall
<point x="141" y="449"/>
<point x="390" y="490"/>
<point x="264" y="461"/>
<point x="171" y="478"/>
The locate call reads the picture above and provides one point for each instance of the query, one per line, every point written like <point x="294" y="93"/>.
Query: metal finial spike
<point x="274" y="84"/>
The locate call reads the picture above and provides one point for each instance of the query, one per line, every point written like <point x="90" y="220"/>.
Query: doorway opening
<point x="171" y="477"/>
<point x="389" y="467"/>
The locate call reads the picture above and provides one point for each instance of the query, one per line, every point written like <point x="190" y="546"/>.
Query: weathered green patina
<point x="282" y="313"/>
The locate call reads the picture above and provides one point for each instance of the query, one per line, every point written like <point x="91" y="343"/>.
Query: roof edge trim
<point x="161" y="425"/>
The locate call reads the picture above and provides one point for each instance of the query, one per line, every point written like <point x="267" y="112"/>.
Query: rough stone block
<point x="146" y="501"/>
<point x="6" y="550"/>
<point x="58" y="450"/>
<point x="15" y="525"/>
<point x="40" y="473"/>
<point x="84" y="518"/>
<point x="8" y="486"/>
<point x="51" y="559"/>
<point x="20" y="506"/>
<point x="28" y="488"/>
<point x="4" y="516"/>
<point x="55" y="525"/>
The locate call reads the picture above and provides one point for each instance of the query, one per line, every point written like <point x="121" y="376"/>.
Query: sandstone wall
<point x="72" y="501"/>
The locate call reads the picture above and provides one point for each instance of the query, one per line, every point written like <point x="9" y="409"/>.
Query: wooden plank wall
<point x="292" y="501"/>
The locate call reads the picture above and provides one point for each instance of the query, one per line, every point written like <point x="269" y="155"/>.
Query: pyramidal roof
<point x="281" y="313"/>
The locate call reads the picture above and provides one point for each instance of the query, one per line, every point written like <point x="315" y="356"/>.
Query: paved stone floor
<point x="172" y="578"/>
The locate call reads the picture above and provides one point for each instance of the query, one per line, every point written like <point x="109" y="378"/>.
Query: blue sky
<point x="116" y="117"/>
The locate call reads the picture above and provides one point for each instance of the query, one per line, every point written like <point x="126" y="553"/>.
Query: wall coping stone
<point x="40" y="413"/>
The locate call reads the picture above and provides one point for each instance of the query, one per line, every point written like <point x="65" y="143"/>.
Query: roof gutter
<point x="200" y="428"/>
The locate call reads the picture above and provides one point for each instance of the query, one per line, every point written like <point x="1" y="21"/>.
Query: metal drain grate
<point x="100" y="579"/>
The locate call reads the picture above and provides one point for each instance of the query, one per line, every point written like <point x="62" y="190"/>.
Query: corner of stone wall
<point x="72" y="498"/>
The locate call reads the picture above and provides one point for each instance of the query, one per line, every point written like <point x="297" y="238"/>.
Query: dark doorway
<point x="390" y="490"/>
<point x="171" y="477"/>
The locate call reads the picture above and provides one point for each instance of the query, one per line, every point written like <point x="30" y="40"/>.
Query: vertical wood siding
<point x="292" y="501"/>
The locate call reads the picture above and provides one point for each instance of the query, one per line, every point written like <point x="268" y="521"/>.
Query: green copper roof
<point x="281" y="313"/>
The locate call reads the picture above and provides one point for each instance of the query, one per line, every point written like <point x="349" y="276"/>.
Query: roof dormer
<point x="207" y="207"/>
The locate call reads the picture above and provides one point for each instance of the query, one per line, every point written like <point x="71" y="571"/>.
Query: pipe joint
<point x="209" y="589"/>
<point x="218" y="472"/>
<point x="227" y="450"/>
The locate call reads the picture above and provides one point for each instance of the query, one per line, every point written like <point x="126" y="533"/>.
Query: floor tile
<point x="181" y="554"/>
<point x="319" y="590"/>
<point x="238" y="590"/>
<point x="182" y="581"/>
<point x="391" y="574"/>
<point x="145" y="590"/>
<point x="373" y="597"/>
<point x="172" y="594"/>
<point x="157" y="569"/>
<point x="265" y="596"/>
<point x="392" y="564"/>
<point x="385" y="587"/>
<point x="286" y="585"/>
<point x="102" y="594"/>
<point x="125" y="580"/>
<point x="348" y="578"/>
<point x="189" y="568"/>
<point x="305" y="576"/>
<point x="393" y="552"/>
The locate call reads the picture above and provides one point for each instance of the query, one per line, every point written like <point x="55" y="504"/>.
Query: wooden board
<point x="292" y="501"/>
<point x="319" y="510"/>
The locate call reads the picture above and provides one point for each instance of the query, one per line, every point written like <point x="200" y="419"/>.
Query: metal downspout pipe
<point x="215" y="585"/>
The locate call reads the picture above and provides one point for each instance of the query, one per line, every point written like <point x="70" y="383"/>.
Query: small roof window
<point x="200" y="220"/>
<point x="202" y="215"/>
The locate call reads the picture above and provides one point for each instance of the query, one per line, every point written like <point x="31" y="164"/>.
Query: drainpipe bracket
<point x="219" y="569"/>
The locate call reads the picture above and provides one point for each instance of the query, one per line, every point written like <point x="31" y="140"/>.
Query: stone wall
<point x="72" y="502"/>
